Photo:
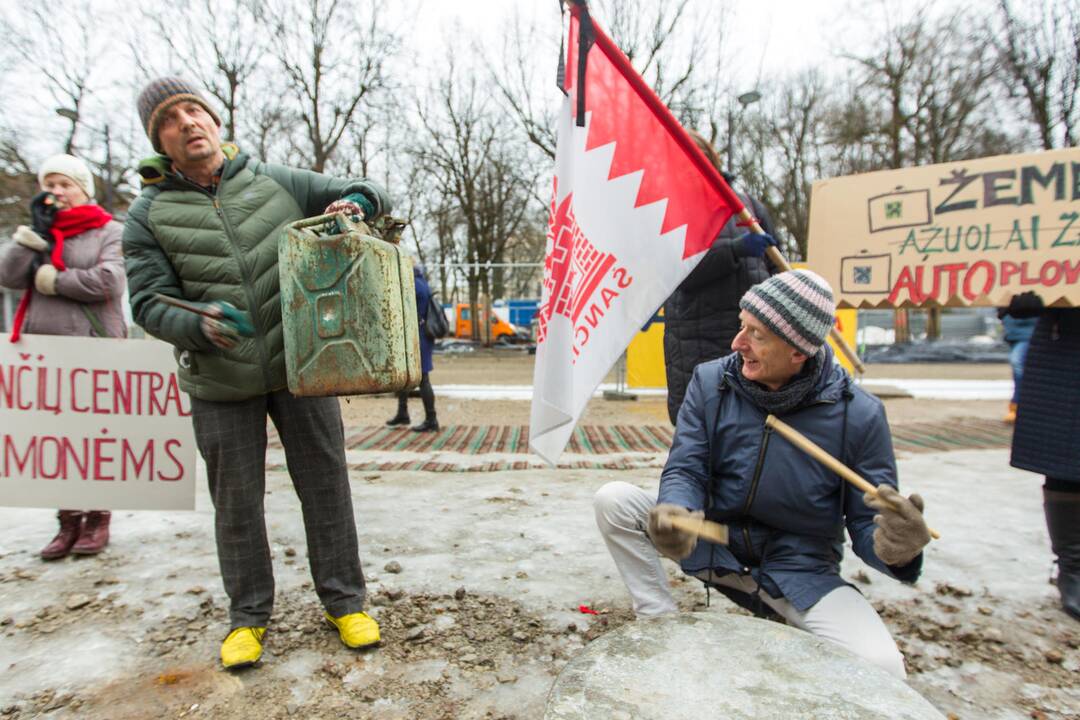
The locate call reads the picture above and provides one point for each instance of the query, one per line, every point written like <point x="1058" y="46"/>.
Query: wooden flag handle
<point x="712" y="531"/>
<point x="779" y="261"/>
<point x="814" y="450"/>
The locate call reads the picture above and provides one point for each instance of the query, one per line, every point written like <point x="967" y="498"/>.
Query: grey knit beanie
<point x="159" y="96"/>
<point x="797" y="305"/>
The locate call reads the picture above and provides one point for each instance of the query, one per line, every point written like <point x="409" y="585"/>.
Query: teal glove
<point x="238" y="319"/>
<point x="363" y="202"/>
<point x="354" y="205"/>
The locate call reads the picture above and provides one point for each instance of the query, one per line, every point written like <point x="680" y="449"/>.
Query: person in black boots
<point x="427" y="346"/>
<point x="1044" y="441"/>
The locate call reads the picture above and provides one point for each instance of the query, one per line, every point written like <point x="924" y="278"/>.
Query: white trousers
<point x="843" y="616"/>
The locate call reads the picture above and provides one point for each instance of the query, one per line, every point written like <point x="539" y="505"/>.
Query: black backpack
<point x="435" y="324"/>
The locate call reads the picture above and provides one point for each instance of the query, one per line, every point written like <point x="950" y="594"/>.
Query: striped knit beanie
<point x="797" y="305"/>
<point x="159" y="96"/>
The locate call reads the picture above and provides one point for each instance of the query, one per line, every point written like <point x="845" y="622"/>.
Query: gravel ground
<point x="477" y="579"/>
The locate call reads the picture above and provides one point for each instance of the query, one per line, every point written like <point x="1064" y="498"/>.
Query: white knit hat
<point x="69" y="166"/>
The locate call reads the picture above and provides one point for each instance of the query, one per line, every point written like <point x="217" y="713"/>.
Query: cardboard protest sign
<point x="970" y="233"/>
<point x="94" y="423"/>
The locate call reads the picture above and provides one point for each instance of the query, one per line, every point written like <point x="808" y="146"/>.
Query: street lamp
<point x="746" y="98"/>
<point x="73" y="116"/>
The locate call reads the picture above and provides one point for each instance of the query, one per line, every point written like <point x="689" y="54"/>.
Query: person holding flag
<point x="786" y="513"/>
<point x="701" y="317"/>
<point x="636" y="207"/>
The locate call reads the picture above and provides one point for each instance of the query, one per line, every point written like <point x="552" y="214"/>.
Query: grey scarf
<point x="791" y="395"/>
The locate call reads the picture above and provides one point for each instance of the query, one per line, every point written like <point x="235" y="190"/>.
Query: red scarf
<point x="67" y="224"/>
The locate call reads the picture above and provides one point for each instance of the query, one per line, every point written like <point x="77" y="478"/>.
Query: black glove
<point x="1025" y="305"/>
<point x="43" y="209"/>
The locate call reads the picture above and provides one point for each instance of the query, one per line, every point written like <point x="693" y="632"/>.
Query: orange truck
<point x="500" y="329"/>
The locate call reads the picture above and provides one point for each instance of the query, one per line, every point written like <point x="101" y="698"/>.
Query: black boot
<point x="398" y="419"/>
<point x="430" y="424"/>
<point x="1063" y="523"/>
<point x="427" y="394"/>
<point x="402" y="417"/>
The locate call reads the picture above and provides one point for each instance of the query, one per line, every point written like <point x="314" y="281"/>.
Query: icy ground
<point x="477" y="579"/>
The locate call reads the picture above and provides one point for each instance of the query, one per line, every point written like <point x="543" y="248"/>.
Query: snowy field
<point x="477" y="580"/>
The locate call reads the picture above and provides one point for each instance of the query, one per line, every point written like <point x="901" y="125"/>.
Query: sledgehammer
<point x="815" y="451"/>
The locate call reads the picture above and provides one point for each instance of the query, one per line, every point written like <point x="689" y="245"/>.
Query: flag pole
<point x="663" y="114"/>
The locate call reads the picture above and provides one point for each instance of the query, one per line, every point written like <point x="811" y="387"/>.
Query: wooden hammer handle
<point x="814" y="450"/>
<point x="712" y="531"/>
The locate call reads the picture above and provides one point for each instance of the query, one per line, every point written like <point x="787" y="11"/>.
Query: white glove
<point x="45" y="279"/>
<point x="30" y="239"/>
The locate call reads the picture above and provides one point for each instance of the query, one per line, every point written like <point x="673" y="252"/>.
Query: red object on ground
<point x="586" y="610"/>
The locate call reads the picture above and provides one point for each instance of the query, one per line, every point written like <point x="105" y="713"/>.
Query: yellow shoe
<point x="242" y="647"/>
<point x="357" y="630"/>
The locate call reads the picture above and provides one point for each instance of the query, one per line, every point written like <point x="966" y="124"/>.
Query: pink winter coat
<point x="94" y="279"/>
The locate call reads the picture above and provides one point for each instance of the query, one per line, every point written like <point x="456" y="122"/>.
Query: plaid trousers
<point x="231" y="437"/>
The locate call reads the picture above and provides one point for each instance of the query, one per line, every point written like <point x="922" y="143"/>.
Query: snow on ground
<point x="484" y="609"/>
<point x="919" y="388"/>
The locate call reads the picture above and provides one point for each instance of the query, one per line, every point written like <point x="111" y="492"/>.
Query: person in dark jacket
<point x="701" y="317"/>
<point x="1044" y="440"/>
<point x="786" y="513"/>
<point x="205" y="229"/>
<point x="427" y="346"/>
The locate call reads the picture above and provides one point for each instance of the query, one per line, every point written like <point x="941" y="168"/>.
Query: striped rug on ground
<point x="484" y="448"/>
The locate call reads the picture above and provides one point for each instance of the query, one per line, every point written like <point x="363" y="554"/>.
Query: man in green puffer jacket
<point x="205" y="230"/>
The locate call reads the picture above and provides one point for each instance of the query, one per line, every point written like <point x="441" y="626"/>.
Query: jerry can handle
<point x="341" y="222"/>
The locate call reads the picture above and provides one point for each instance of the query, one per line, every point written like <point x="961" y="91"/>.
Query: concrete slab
<point x="671" y="668"/>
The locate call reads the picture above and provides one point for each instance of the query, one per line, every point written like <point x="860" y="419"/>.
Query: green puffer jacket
<point x="180" y="240"/>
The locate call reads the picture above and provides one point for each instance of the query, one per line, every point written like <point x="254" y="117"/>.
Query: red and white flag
<point x="636" y="204"/>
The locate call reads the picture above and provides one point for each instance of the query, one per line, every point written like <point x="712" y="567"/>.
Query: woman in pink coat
<point x="74" y="285"/>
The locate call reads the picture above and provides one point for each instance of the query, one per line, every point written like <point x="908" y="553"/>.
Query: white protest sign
<point x="94" y="423"/>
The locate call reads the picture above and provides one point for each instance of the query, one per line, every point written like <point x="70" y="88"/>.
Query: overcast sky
<point x="765" y="38"/>
<point x="773" y="34"/>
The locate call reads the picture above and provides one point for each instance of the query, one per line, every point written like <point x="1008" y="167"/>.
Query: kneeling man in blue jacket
<point x="786" y="513"/>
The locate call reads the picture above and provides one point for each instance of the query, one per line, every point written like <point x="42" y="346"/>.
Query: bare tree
<point x="930" y="78"/>
<point x="61" y="44"/>
<point x="333" y="55"/>
<point x="218" y="43"/>
<point x="675" y="46"/>
<point x="790" y="131"/>
<point x="1041" y="57"/>
<point x="475" y="167"/>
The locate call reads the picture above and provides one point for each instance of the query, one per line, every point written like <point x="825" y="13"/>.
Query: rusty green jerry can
<point x="348" y="310"/>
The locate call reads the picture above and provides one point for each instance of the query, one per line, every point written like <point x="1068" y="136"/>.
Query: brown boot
<point x="95" y="533"/>
<point x="70" y="526"/>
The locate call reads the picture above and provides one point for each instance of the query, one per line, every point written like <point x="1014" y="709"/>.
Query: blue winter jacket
<point x="423" y="297"/>
<point x="785" y="511"/>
